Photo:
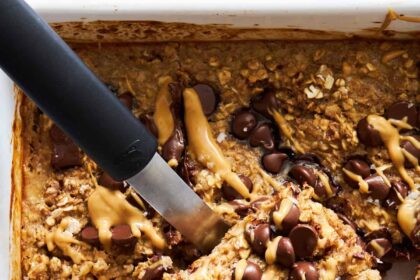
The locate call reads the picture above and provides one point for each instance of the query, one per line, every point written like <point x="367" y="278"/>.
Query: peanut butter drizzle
<point x="163" y="117"/>
<point x="378" y="248"/>
<point x="380" y="171"/>
<point x="284" y="209"/>
<point x="271" y="252"/>
<point x="325" y="182"/>
<point x="286" y="130"/>
<point x="407" y="213"/>
<point x="63" y="240"/>
<point x="203" y="145"/>
<point x="391" y="137"/>
<point x="392" y="15"/>
<point x="363" y="186"/>
<point x="240" y="269"/>
<point x="109" y="208"/>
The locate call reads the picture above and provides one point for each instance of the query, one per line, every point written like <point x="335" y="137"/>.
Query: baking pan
<point x="228" y="20"/>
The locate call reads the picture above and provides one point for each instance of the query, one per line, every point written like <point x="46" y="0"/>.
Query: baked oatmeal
<point x="309" y="150"/>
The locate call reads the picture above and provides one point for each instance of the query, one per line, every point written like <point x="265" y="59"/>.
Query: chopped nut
<point x="329" y="82"/>
<point x="340" y="82"/>
<point x="254" y="64"/>
<point x="313" y="92"/>
<point x="214" y="61"/>
<point x="224" y="76"/>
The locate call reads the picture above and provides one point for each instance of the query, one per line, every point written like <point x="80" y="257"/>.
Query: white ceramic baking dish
<point x="347" y="17"/>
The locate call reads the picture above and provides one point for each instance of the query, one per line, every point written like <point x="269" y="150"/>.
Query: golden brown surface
<point x="324" y="89"/>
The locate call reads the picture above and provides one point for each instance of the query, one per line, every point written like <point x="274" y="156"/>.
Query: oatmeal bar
<point x="308" y="149"/>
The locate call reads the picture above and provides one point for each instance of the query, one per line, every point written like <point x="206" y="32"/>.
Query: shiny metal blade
<point x="178" y="204"/>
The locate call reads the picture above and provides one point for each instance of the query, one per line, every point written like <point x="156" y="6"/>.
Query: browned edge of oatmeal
<point x="16" y="191"/>
<point x="154" y="31"/>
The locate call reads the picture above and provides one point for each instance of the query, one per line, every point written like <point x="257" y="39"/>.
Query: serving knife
<point x="62" y="86"/>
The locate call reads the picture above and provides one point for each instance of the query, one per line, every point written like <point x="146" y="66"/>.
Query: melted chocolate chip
<point x="174" y="147"/>
<point x="258" y="236"/>
<point x="356" y="166"/>
<point x="187" y="170"/>
<point x="285" y="254"/>
<point x="262" y="136"/>
<point x="107" y="181"/>
<point x="379" y="247"/>
<point x="239" y="207"/>
<point x="303" y="271"/>
<point x="409" y="147"/>
<point x="265" y="102"/>
<point x="367" y="134"/>
<point x="121" y="235"/>
<point x="242" y="124"/>
<point x="90" y="235"/>
<point x="252" y="272"/>
<point x="65" y="156"/>
<point x="291" y="219"/>
<point x="347" y="220"/>
<point x="321" y="190"/>
<point x="304" y="239"/>
<point x="126" y="99"/>
<point x="377" y="187"/>
<point x="58" y="136"/>
<point x="303" y="174"/>
<point x="402" y="109"/>
<point x="149" y="123"/>
<point x="230" y="193"/>
<point x="208" y="98"/>
<point x="155" y="273"/>
<point x="273" y="162"/>
<point x="399" y="189"/>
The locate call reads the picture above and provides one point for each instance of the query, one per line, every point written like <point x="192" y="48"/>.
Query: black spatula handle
<point x="54" y="77"/>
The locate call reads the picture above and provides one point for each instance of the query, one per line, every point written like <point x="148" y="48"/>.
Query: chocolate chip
<point x="121" y="235"/>
<point x="90" y="235"/>
<point x="285" y="254"/>
<point x="303" y="174"/>
<point x="107" y="181"/>
<point x="379" y="247"/>
<point x="409" y="147"/>
<point x="347" y="220"/>
<point x="356" y="166"/>
<point x="127" y="100"/>
<point x="256" y="204"/>
<point x="258" y="236"/>
<point x="187" y="169"/>
<point x="208" y="98"/>
<point x="273" y="162"/>
<point x="377" y="187"/>
<point x="304" y="271"/>
<point x="239" y="207"/>
<point x="367" y="134"/>
<point x="398" y="190"/>
<point x="265" y="102"/>
<point x="173" y="236"/>
<point x="154" y="273"/>
<point x="242" y="124"/>
<point x="252" y="272"/>
<point x="230" y="193"/>
<point x="290" y="220"/>
<point x="149" y="123"/>
<point x="58" y="136"/>
<point x="262" y="136"/>
<point x="304" y="239"/>
<point x="65" y="156"/>
<point x="402" y="109"/>
<point x="174" y="147"/>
